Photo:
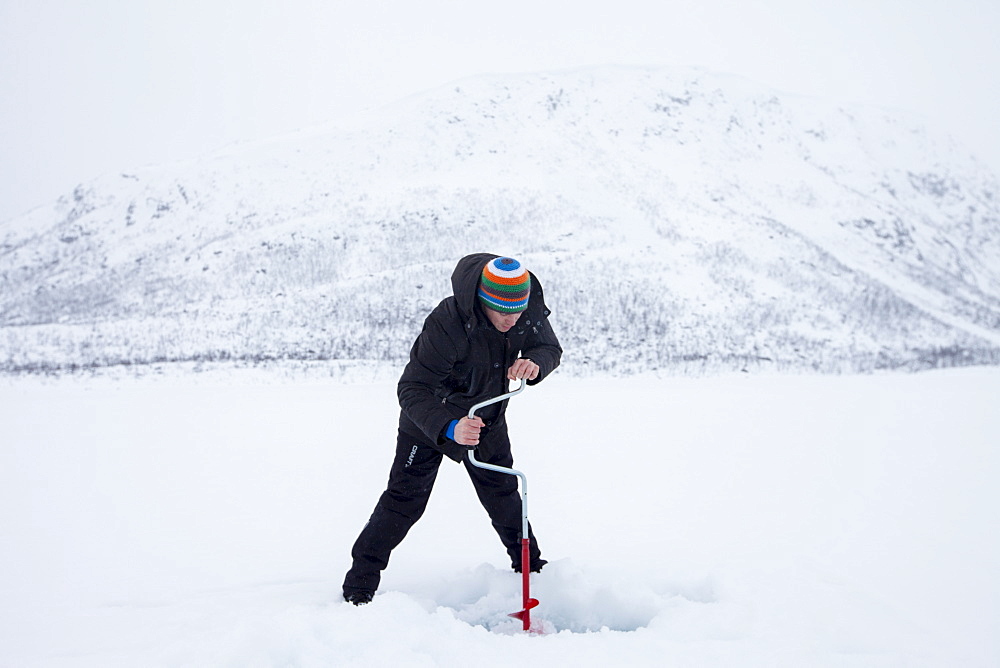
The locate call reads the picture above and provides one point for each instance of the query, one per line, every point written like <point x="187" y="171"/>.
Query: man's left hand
<point x="522" y="368"/>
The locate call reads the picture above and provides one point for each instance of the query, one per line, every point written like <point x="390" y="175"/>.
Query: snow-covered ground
<point x="727" y="521"/>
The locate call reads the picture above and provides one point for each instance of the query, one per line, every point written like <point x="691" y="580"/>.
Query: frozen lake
<point x="725" y="521"/>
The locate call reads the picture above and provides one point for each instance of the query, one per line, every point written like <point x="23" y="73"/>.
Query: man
<point x="493" y="329"/>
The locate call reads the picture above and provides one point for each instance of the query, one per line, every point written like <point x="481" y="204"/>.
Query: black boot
<point x="535" y="566"/>
<point x="358" y="596"/>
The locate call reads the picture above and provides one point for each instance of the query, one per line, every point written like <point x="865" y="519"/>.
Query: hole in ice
<point x="570" y="600"/>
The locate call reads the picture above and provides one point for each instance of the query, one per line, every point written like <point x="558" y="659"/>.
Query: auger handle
<point x="501" y="469"/>
<point x="483" y="404"/>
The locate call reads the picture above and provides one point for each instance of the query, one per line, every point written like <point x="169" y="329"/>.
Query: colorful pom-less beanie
<point x="505" y="285"/>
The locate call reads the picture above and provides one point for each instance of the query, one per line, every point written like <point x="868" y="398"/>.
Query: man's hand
<point x="467" y="431"/>
<point x="522" y="368"/>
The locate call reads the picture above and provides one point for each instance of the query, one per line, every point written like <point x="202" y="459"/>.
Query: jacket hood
<point x="465" y="281"/>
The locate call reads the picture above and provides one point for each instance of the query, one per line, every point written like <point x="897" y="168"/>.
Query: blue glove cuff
<point x="450" y="433"/>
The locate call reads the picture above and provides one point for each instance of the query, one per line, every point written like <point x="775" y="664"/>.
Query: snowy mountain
<point x="676" y="219"/>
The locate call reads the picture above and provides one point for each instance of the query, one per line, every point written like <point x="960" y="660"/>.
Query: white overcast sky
<point x="90" y="87"/>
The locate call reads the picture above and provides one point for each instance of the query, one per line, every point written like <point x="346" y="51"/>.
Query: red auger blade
<point x="525" y="615"/>
<point x="532" y="602"/>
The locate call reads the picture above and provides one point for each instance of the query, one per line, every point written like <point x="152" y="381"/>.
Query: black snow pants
<point x="411" y="479"/>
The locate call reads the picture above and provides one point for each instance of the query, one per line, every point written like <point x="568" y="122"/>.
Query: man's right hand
<point x="467" y="431"/>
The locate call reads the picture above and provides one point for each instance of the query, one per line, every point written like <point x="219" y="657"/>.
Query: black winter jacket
<point x="460" y="359"/>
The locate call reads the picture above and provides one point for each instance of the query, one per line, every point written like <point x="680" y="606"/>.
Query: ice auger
<point x="528" y="603"/>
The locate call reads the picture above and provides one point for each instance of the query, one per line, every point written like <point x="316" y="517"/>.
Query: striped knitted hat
<point x="505" y="285"/>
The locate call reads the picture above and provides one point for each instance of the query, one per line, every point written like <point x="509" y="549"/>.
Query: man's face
<point x="502" y="321"/>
